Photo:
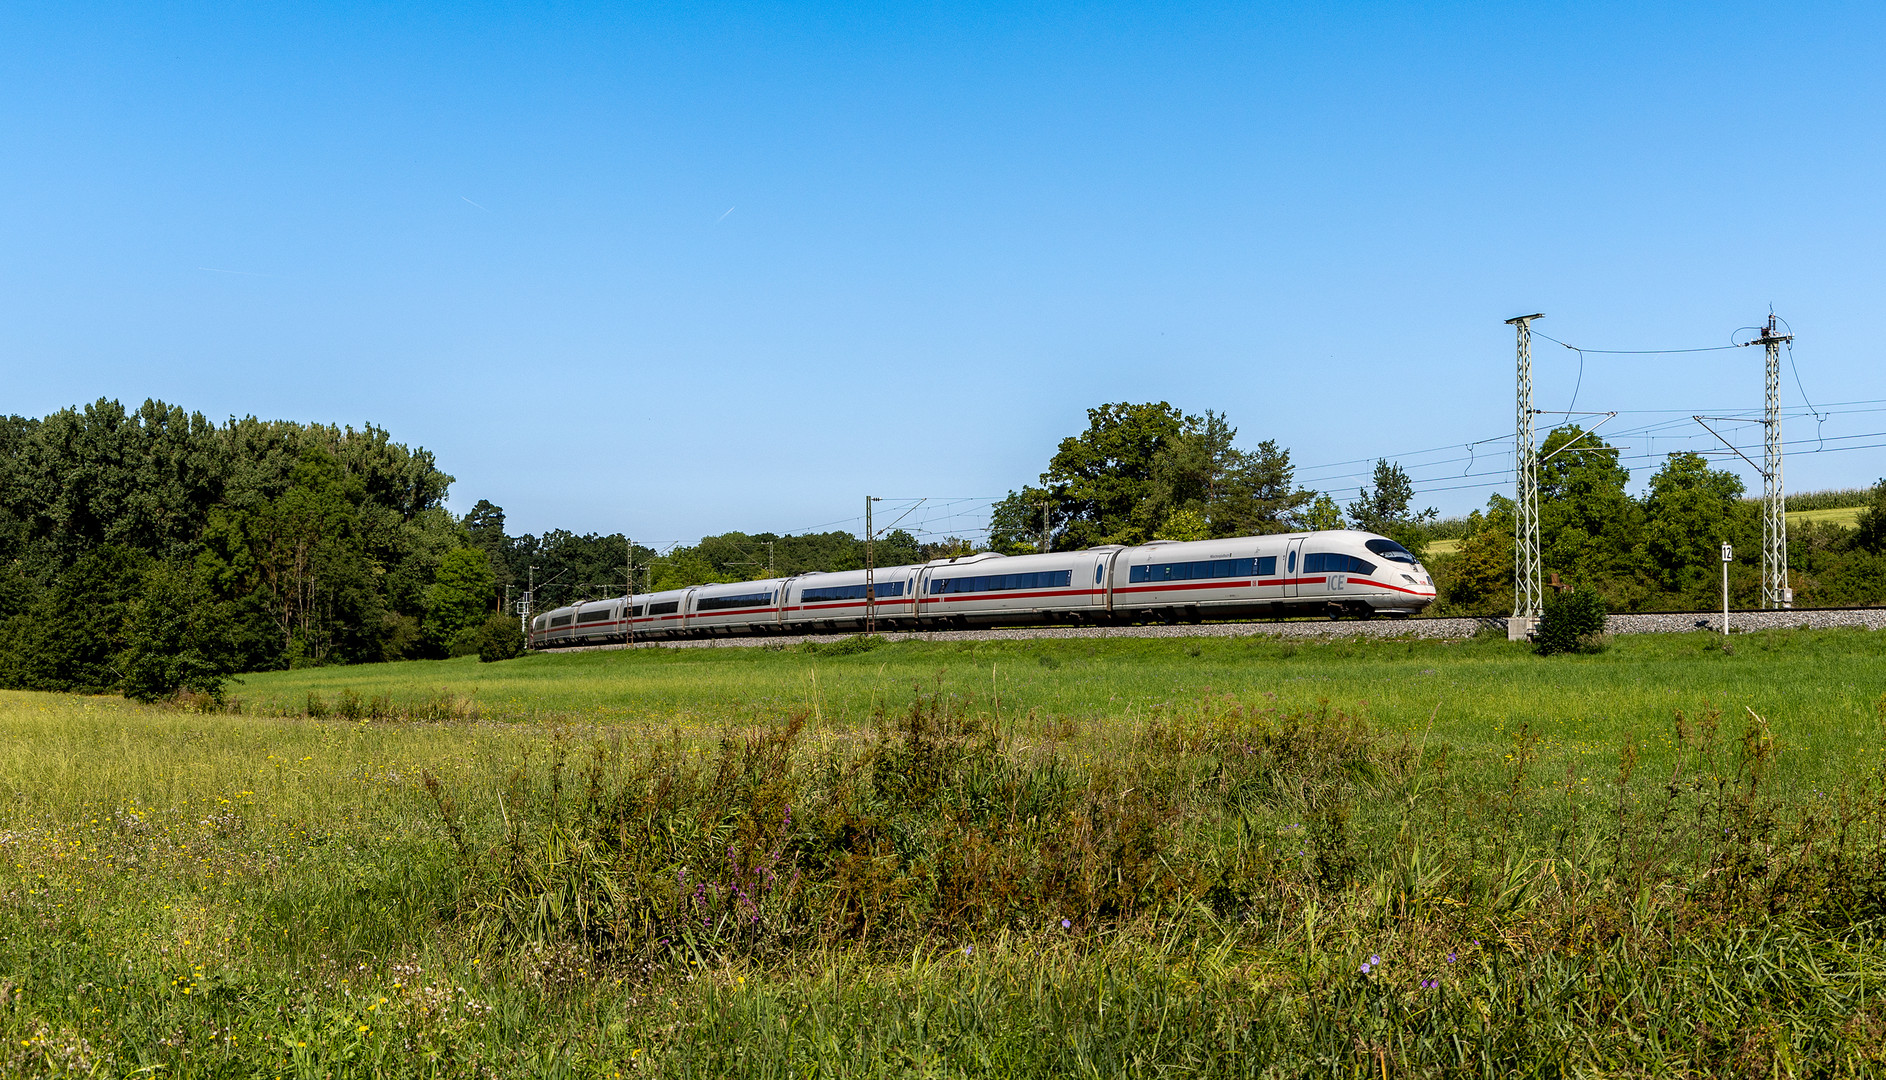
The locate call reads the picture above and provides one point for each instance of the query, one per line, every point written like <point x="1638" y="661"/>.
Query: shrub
<point x="500" y="639"/>
<point x="1573" y="622"/>
<point x="845" y="646"/>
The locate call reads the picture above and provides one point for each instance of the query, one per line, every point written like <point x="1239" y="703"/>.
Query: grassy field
<point x="1846" y="516"/>
<point x="1820" y="690"/>
<point x="1118" y="858"/>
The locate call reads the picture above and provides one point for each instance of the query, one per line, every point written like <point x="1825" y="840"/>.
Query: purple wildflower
<point x="1450" y="958"/>
<point x="1065" y="924"/>
<point x="969" y="950"/>
<point x="1374" y="960"/>
<point x="1365" y="968"/>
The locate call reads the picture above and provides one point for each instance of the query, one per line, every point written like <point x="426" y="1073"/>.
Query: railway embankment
<point x="1661" y="623"/>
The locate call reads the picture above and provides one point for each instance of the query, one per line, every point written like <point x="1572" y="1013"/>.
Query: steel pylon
<point x="1528" y="586"/>
<point x="1775" y="590"/>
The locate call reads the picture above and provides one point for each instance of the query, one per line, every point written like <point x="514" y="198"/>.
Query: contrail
<point x="723" y="217"/>
<point x="485" y="209"/>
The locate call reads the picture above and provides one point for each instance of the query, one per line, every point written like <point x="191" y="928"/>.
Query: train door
<point x="918" y="583"/>
<point x="1291" y="559"/>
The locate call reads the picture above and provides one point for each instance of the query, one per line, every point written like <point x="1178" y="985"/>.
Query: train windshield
<point x="1388" y="549"/>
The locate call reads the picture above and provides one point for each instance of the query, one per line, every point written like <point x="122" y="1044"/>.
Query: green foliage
<point x="458" y="602"/>
<point x="1589" y="525"/>
<point x="1659" y="552"/>
<point x="178" y="638"/>
<point x="1144" y="471"/>
<point x="572" y="567"/>
<point x="1386" y="508"/>
<point x="1870" y="529"/>
<point x="1690" y="511"/>
<point x="1016" y="522"/>
<point x="1323" y="514"/>
<point x="277" y="543"/>
<point x="1100" y="477"/>
<point x="71" y="636"/>
<point x="1479" y="577"/>
<point x="1573" y="621"/>
<point x="500" y="638"/>
<point x="1184" y="524"/>
<point x="850" y="645"/>
<point x="1234" y="492"/>
<point x="937" y="829"/>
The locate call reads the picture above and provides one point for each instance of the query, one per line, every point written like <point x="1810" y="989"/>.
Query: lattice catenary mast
<point x="1528" y="590"/>
<point x="1775" y="590"/>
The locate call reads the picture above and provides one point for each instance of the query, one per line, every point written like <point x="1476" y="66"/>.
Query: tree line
<point x="566" y="567"/>
<point x="1660" y="551"/>
<point x="1149" y="471"/>
<point x="152" y="550"/>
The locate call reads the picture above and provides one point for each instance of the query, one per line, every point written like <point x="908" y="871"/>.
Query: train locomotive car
<point x="1335" y="573"/>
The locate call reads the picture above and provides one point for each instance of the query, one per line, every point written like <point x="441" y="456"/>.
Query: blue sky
<point x="684" y="269"/>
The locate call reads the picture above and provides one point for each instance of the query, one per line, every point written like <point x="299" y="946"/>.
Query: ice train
<point x="1338" y="573"/>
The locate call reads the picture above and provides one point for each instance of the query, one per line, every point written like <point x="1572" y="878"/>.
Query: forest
<point x="149" y="551"/>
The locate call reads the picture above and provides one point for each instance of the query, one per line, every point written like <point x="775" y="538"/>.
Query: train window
<point x="1293" y="563"/>
<point x="1204" y="569"/>
<point x="594" y="616"/>
<point x="1043" y="579"/>
<point x="641" y="610"/>
<point x="1390" y="550"/>
<point x="560" y="620"/>
<point x="1098" y="570"/>
<point x="1267" y="566"/>
<point x="666" y="607"/>
<point x="744" y="600"/>
<point x="1318" y="562"/>
<point x="885" y="590"/>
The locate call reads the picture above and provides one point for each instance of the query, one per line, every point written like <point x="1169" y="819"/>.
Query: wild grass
<point x="1819" y="689"/>
<point x="1663" y="859"/>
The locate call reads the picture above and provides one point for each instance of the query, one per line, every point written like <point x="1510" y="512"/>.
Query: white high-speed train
<point x="1335" y="573"/>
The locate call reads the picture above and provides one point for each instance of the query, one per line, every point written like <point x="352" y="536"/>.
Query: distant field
<point x="1846" y="515"/>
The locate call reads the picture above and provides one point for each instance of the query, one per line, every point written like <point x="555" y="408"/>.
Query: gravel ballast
<point x="1739" y="621"/>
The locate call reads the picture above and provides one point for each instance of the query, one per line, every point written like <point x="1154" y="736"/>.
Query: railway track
<point x="1455" y="628"/>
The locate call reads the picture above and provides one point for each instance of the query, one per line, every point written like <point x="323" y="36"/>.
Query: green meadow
<point x="1128" y="857"/>
<point x="1821" y="691"/>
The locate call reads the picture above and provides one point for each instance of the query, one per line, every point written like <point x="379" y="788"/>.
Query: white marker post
<point x="1728" y="555"/>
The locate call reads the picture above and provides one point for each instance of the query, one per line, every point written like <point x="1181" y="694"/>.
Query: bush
<point x="1573" y="621"/>
<point x="845" y="646"/>
<point x="500" y="639"/>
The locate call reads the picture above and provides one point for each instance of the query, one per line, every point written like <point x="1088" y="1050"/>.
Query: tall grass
<point x="1658" y="877"/>
<point x="1818" y="688"/>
